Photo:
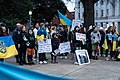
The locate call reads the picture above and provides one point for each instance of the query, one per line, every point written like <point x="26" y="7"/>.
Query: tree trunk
<point x="88" y="13"/>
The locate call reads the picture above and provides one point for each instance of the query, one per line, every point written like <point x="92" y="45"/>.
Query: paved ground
<point x="96" y="70"/>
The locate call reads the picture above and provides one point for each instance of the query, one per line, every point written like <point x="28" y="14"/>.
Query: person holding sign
<point x="55" y="46"/>
<point x="42" y="35"/>
<point x="76" y="43"/>
<point x="95" y="40"/>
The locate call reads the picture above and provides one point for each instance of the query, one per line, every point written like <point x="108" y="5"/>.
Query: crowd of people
<point x="98" y="42"/>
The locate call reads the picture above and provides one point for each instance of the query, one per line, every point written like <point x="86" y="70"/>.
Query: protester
<point x="1" y="34"/>
<point x="83" y="42"/>
<point x="76" y="43"/>
<point x="23" y="45"/>
<point x="55" y="45"/>
<point x="16" y="38"/>
<point x="30" y="46"/>
<point x="42" y="35"/>
<point x="89" y="45"/>
<point x="63" y="38"/>
<point x="35" y="30"/>
<point x="102" y="33"/>
<point x="109" y="41"/>
<point x="95" y="40"/>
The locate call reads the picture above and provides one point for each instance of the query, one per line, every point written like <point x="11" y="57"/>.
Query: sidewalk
<point x="96" y="70"/>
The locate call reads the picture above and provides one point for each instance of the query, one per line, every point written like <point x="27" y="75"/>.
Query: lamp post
<point x="30" y="14"/>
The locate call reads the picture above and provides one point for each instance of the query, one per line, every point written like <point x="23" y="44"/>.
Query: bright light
<point x="30" y="12"/>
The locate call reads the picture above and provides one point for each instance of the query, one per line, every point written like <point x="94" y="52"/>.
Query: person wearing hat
<point x="42" y="35"/>
<point x="17" y="39"/>
<point x="110" y="37"/>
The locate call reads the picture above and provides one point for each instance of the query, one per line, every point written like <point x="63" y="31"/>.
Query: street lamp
<point x="30" y="14"/>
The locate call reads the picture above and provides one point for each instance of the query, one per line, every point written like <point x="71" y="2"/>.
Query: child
<point x="55" y="45"/>
<point x="30" y="46"/>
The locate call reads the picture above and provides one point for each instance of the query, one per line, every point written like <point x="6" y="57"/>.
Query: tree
<point x="13" y="11"/>
<point x="88" y="12"/>
<point x="47" y="9"/>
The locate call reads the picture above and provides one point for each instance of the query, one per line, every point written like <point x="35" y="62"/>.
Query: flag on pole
<point x="7" y="47"/>
<point x="64" y="20"/>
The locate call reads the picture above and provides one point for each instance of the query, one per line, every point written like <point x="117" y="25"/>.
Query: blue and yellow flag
<point x="105" y="43"/>
<point x="7" y="47"/>
<point x="64" y="20"/>
<point x="114" y="42"/>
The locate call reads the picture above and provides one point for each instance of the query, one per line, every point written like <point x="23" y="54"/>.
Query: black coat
<point x="31" y="40"/>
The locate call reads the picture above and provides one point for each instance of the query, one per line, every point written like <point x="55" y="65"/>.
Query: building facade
<point x="106" y="12"/>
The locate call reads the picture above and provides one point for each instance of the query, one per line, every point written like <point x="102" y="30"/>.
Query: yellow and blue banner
<point x="114" y="42"/>
<point x="64" y="20"/>
<point x="105" y="43"/>
<point x="13" y="72"/>
<point x="7" y="47"/>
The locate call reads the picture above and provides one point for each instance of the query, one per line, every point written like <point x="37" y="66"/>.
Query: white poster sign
<point x="80" y="36"/>
<point x="64" y="47"/>
<point x="44" y="46"/>
<point x="82" y="57"/>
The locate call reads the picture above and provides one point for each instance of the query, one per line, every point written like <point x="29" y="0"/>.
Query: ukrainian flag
<point x="7" y="47"/>
<point x="105" y="43"/>
<point x="83" y="42"/>
<point x="114" y="42"/>
<point x="64" y="20"/>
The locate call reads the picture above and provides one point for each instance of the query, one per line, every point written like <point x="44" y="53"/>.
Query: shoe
<point x="52" y="61"/>
<point x="76" y="63"/>
<point x="113" y="59"/>
<point x="45" y="62"/>
<point x="65" y="57"/>
<point x="41" y="62"/>
<point x="34" y="59"/>
<point x="107" y="58"/>
<point x="96" y="58"/>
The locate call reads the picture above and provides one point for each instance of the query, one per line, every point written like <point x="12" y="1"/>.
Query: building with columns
<point x="106" y="11"/>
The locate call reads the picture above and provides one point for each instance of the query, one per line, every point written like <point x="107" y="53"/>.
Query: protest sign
<point x="80" y="36"/>
<point x="64" y="47"/>
<point x="44" y="46"/>
<point x="82" y="57"/>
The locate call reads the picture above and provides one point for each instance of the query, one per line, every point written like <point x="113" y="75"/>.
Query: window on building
<point x="101" y="13"/>
<point x="96" y="13"/>
<point x="101" y="24"/>
<point x="102" y="2"/>
<point x="83" y="14"/>
<point x="107" y="12"/>
<point x="108" y="2"/>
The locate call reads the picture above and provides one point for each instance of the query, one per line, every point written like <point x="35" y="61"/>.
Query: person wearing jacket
<point x="23" y="46"/>
<point x="55" y="46"/>
<point x="42" y="34"/>
<point x="1" y="34"/>
<point x="102" y="33"/>
<point x="76" y="43"/>
<point x="16" y="38"/>
<point x="95" y="40"/>
<point x="30" y="46"/>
